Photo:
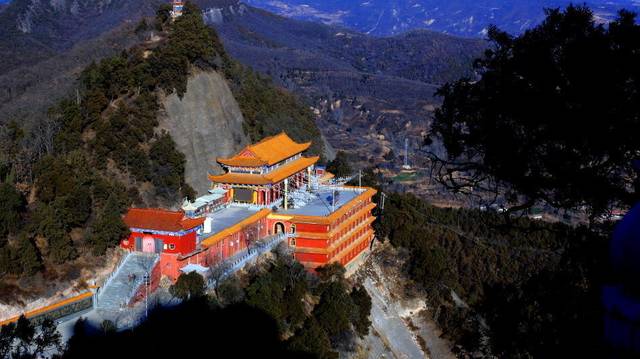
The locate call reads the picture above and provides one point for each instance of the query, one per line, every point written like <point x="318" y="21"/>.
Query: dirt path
<point x="386" y="321"/>
<point x="399" y="327"/>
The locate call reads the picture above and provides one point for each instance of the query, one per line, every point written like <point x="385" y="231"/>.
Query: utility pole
<point x="382" y="196"/>
<point x="286" y="194"/>
<point x="359" y="178"/>
<point x="146" y="297"/>
<point x="333" y="199"/>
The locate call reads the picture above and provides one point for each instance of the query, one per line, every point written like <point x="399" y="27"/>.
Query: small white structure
<point x="205" y="204"/>
<point x="203" y="271"/>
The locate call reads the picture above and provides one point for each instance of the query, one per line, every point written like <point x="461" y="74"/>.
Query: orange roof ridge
<point x="268" y="151"/>
<point x="160" y="219"/>
<point x="274" y="176"/>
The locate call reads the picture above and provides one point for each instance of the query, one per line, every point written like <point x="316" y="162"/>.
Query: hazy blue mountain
<point x="458" y="17"/>
<point x="369" y="93"/>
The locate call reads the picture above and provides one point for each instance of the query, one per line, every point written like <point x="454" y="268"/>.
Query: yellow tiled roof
<point x="272" y="177"/>
<point x="269" y="151"/>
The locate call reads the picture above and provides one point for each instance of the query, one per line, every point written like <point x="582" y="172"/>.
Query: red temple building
<point x="333" y="227"/>
<point x="270" y="192"/>
<point x="161" y="231"/>
<point x="263" y="173"/>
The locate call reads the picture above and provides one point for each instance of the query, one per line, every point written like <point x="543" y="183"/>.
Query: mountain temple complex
<point x="264" y="173"/>
<point x="270" y="193"/>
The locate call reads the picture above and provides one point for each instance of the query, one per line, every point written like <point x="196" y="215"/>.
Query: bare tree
<point x="43" y="136"/>
<point x="218" y="269"/>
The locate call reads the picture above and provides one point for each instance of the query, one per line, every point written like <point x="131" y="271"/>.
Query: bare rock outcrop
<point x="206" y="123"/>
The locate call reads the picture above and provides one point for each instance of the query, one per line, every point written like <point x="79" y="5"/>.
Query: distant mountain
<point x="458" y="17"/>
<point x="369" y="93"/>
<point x="34" y="30"/>
<point x="44" y="44"/>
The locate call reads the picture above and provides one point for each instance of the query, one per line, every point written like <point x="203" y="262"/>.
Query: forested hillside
<point x="498" y="285"/>
<point x="64" y="186"/>
<point x="369" y="93"/>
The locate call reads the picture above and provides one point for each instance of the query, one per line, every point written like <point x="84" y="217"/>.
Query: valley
<point x="456" y="17"/>
<point x="369" y="95"/>
<point x="206" y="166"/>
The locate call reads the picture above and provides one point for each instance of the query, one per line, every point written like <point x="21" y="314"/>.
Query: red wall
<point x="183" y="244"/>
<point x="170" y="265"/>
<point x="312" y="228"/>
<point x="311" y="257"/>
<point x="153" y="285"/>
<point x="311" y="243"/>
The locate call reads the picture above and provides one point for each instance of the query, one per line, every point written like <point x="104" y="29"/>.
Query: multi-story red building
<point x="334" y="227"/>
<point x="269" y="191"/>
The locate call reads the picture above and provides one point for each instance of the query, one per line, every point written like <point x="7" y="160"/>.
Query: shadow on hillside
<point x="194" y="329"/>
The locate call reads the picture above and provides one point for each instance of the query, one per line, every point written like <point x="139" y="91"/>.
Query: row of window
<point x="354" y="252"/>
<point x="355" y="209"/>
<point x="351" y="240"/>
<point x="353" y="225"/>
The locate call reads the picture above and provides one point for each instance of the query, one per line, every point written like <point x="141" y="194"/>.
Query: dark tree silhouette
<point x="189" y="285"/>
<point x="340" y="165"/>
<point x="11" y="204"/>
<point x="109" y="228"/>
<point x="553" y="116"/>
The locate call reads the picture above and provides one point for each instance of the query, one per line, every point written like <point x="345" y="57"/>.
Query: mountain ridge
<point x="369" y="94"/>
<point x="457" y="17"/>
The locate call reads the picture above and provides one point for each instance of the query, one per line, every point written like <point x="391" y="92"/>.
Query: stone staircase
<point x="121" y="286"/>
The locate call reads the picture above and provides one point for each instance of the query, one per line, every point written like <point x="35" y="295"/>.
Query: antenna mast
<point x="406" y="155"/>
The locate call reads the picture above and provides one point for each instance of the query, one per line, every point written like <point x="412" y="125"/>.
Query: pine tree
<point x="24" y="333"/>
<point x="190" y="285"/>
<point x="28" y="255"/>
<point x="109" y="228"/>
<point x="61" y="248"/>
<point x="11" y="203"/>
<point x="47" y="224"/>
<point x="7" y="338"/>
<point x="340" y="165"/>
<point x="335" y="310"/>
<point x="312" y="339"/>
<point x="48" y="337"/>
<point x="360" y="319"/>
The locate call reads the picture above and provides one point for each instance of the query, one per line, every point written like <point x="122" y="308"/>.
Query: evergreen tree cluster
<point x="24" y="339"/>
<point x="340" y="166"/>
<point x="278" y="310"/>
<point x="317" y="313"/>
<point x="107" y="130"/>
<point x="189" y="285"/>
<point x="551" y="116"/>
<point x="269" y="110"/>
<point x="535" y="284"/>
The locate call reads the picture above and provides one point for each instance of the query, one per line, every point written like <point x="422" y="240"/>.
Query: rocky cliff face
<point x="205" y="124"/>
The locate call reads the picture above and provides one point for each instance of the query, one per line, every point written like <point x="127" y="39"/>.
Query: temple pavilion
<point x="263" y="173"/>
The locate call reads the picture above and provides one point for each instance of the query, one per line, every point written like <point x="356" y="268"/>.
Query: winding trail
<point x="387" y="322"/>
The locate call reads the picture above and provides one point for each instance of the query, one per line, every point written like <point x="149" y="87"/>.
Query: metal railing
<point x="110" y="277"/>
<point x="139" y="281"/>
<point x="239" y="260"/>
